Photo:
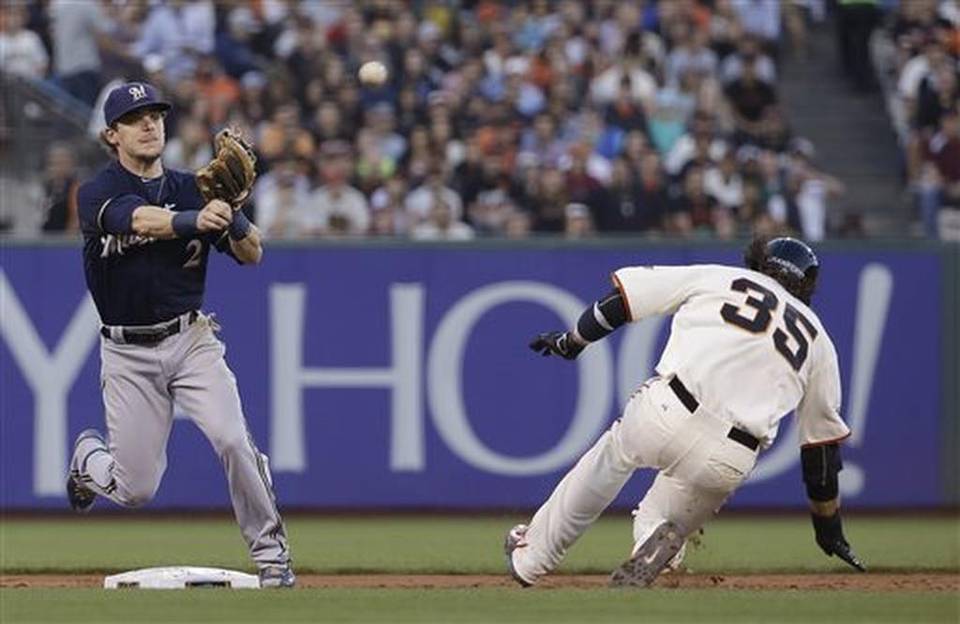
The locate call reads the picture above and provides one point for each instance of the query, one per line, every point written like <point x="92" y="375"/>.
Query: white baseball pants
<point x="699" y="468"/>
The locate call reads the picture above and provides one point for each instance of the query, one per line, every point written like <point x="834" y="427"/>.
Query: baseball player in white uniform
<point x="744" y="350"/>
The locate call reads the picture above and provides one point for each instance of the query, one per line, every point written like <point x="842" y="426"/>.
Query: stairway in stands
<point x="852" y="134"/>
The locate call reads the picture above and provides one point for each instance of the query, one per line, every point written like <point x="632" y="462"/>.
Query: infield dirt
<point x="875" y="582"/>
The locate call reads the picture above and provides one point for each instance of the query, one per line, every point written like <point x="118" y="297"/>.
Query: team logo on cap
<point x="137" y="92"/>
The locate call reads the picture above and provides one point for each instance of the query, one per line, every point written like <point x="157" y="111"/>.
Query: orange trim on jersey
<point x="825" y="442"/>
<point x="623" y="295"/>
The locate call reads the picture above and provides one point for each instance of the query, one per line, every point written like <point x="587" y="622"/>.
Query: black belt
<point x="150" y="335"/>
<point x="736" y="434"/>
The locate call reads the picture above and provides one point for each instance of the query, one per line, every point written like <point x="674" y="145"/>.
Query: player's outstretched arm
<point x="821" y="465"/>
<point x="595" y="323"/>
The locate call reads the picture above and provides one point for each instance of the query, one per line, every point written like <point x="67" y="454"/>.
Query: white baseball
<point x="373" y="73"/>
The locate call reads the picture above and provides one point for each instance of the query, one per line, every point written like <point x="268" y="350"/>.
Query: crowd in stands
<point x="498" y="118"/>
<point x="917" y="63"/>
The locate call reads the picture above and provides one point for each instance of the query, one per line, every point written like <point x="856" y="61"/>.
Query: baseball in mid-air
<point x="373" y="73"/>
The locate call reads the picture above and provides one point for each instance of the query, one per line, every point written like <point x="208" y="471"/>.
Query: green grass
<point x="479" y="605"/>
<point x="460" y="545"/>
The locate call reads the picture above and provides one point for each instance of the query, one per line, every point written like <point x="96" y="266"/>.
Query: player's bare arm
<point x="248" y="249"/>
<point x="596" y="322"/>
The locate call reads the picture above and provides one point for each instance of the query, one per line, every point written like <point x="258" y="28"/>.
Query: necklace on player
<point x="146" y="182"/>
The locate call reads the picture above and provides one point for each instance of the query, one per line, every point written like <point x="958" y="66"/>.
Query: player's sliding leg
<point x="207" y="391"/>
<point x="127" y="466"/>
<point x="589" y="487"/>
<point x="577" y="501"/>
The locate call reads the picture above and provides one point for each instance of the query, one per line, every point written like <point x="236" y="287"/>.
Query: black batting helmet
<point x="787" y="260"/>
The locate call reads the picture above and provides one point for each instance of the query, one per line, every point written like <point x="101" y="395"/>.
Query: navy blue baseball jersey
<point x="134" y="279"/>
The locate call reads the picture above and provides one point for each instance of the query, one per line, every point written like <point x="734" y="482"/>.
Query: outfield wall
<point x="398" y="375"/>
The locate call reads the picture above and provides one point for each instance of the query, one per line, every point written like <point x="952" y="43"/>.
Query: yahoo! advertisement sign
<point x="379" y="377"/>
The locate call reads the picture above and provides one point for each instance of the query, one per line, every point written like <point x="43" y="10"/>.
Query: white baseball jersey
<point x="748" y="351"/>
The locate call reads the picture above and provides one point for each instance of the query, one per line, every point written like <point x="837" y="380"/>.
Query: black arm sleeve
<point x="602" y="317"/>
<point x="821" y="465"/>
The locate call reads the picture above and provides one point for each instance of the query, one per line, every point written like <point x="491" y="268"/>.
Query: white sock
<point x="94" y="460"/>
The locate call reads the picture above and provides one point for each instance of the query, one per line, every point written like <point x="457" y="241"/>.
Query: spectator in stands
<point x="382" y="125"/>
<point x="285" y="137"/>
<point x="178" y="30"/>
<point x="232" y="45"/>
<point x="748" y="50"/>
<point x="578" y="221"/>
<point x="774" y="133"/>
<point x="506" y="111"/>
<point x="79" y="29"/>
<point x="220" y="91"/>
<point x="441" y="223"/>
<point x="336" y="208"/>
<point x="540" y="142"/>
<point x="373" y="167"/>
<point x="723" y="183"/>
<point x="689" y="53"/>
<point x="606" y="85"/>
<point x="637" y="198"/>
<point x="939" y="183"/>
<point x="856" y="20"/>
<point x="60" y="190"/>
<point x="938" y="92"/>
<point x="813" y="190"/>
<point x="749" y="99"/>
<point x="386" y="205"/>
<point x="761" y="18"/>
<point x="281" y="197"/>
<point x="21" y="50"/>
<point x="420" y="202"/>
<point x="123" y="23"/>
<point x="329" y="123"/>
<point x="702" y="129"/>
<point x="192" y="146"/>
<point x="624" y="115"/>
<point x="548" y="200"/>
<point x="694" y="211"/>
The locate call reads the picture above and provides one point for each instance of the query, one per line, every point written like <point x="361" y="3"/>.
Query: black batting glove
<point x="829" y="535"/>
<point x="556" y="343"/>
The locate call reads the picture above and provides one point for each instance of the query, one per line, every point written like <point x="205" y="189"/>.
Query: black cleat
<point x="80" y="496"/>
<point x="649" y="560"/>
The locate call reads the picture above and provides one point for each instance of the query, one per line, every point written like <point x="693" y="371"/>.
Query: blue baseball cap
<point x="130" y="97"/>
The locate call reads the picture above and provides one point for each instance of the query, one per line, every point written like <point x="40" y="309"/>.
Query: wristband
<point x="239" y="227"/>
<point x="185" y="224"/>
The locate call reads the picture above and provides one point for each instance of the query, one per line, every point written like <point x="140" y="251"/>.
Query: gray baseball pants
<point x="140" y="385"/>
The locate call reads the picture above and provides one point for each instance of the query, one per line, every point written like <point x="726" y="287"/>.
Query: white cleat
<point x="650" y="558"/>
<point x="516" y="538"/>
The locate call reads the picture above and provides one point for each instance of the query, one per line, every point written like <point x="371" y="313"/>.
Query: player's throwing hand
<point x="215" y="216"/>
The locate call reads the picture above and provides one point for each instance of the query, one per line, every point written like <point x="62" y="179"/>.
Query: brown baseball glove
<point x="230" y="175"/>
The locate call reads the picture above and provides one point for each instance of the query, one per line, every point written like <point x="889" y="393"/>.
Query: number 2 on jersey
<point x="764" y="308"/>
<point x="195" y="247"/>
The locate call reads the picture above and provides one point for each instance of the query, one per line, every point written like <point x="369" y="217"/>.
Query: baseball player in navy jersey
<point x="147" y="238"/>
<point x="744" y="350"/>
